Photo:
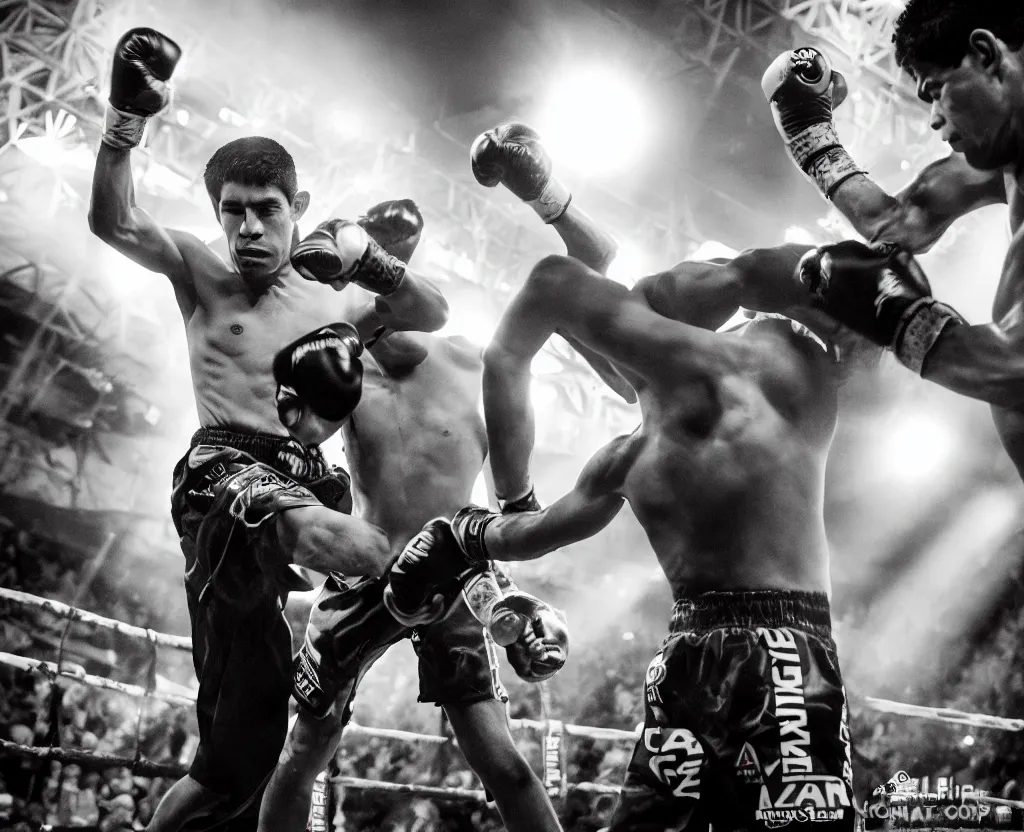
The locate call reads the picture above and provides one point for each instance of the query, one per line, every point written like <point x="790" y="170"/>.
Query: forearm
<point x="575" y="517"/>
<point x="112" y="205"/>
<point x="982" y="362"/>
<point x="878" y="215"/>
<point x="416" y="305"/>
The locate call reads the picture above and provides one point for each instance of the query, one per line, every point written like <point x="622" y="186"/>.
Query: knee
<point x="311" y="744"/>
<point x="504" y="771"/>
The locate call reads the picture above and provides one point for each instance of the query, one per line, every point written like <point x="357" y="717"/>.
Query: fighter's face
<point x="259" y="223"/>
<point x="974" y="110"/>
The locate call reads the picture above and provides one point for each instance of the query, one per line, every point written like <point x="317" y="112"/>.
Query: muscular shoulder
<point x="607" y="470"/>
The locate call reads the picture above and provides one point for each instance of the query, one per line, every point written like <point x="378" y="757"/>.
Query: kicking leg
<point x="485" y="740"/>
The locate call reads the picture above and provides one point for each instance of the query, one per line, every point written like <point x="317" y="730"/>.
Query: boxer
<point x="745" y="719"/>
<point x="249" y="500"/>
<point x="415" y="445"/>
<point x="968" y="62"/>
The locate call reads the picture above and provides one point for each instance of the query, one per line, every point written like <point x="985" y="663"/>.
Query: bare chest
<point x="254" y="330"/>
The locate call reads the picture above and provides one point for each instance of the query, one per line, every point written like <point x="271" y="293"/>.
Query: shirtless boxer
<point x="415" y="445"/>
<point x="248" y="501"/>
<point x="968" y="59"/>
<point x="745" y="722"/>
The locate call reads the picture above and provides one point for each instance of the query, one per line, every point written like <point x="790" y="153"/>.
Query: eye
<point x="230" y="209"/>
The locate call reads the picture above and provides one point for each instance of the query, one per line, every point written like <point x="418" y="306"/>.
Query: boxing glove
<point x="427" y="576"/>
<point x="543" y="648"/>
<point x="395" y="225"/>
<point x="803" y="90"/>
<point x="880" y="291"/>
<point x="144" y="60"/>
<point x="513" y="155"/>
<point x="321" y="371"/>
<point x="468" y="528"/>
<point x="483" y="594"/>
<point x="339" y="252"/>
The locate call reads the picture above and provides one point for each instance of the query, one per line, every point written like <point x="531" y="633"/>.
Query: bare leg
<point x="483" y="735"/>
<point x="186" y="800"/>
<point x="562" y="295"/>
<point x="328" y="541"/>
<point x="309" y="748"/>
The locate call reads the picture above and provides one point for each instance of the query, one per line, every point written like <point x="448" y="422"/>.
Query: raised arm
<point x="918" y="215"/>
<point x="802" y="90"/>
<point x="143" y="61"/>
<point x="373" y="253"/>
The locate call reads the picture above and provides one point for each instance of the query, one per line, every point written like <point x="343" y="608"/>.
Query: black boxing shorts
<point x="350" y="628"/>
<point x="228" y="489"/>
<point x="745" y="723"/>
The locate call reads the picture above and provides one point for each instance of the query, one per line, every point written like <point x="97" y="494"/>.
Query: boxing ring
<point x="554" y="733"/>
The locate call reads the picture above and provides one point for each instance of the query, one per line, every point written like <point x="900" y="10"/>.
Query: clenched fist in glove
<point x="339" y="252"/>
<point x="320" y="380"/>
<point x="543" y="648"/>
<point x="144" y="60"/>
<point x="428" y="576"/>
<point x="880" y="291"/>
<point x="512" y="154"/>
<point x="803" y="89"/>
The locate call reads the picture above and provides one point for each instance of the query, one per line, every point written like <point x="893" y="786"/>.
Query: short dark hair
<point x="253" y="160"/>
<point x="938" y="31"/>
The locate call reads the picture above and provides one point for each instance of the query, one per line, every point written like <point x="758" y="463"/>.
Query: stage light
<point x="348" y="124"/>
<point x="229" y="116"/>
<point x="914" y="447"/>
<point x="181" y="117"/>
<point x="801" y="236"/>
<point x="544" y="396"/>
<point x="711" y="250"/>
<point x="595" y="121"/>
<point x="629" y="265"/>
<point x="968" y="740"/>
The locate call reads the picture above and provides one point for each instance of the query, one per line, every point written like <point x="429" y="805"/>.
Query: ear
<point x="986" y="50"/>
<point x="299" y="205"/>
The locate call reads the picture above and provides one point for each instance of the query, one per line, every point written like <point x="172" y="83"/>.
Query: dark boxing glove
<point x="803" y="90"/>
<point x="396" y="225"/>
<point x="513" y="155"/>
<point x="880" y="291"/>
<point x="427" y="576"/>
<point x="339" y="252"/>
<point x="543" y="648"/>
<point x="320" y="371"/>
<point x="144" y="60"/>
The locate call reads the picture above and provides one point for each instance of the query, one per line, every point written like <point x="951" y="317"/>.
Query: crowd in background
<point x="608" y="672"/>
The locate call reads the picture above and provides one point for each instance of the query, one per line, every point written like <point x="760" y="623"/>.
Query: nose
<point x="251" y="225"/>
<point x="935" y="119"/>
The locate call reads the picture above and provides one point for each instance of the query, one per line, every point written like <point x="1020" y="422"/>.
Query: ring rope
<point x="84" y="617"/>
<point x="944" y="715"/>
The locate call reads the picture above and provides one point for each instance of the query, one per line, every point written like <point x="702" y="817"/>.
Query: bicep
<point x="158" y="249"/>
<point x="920" y="214"/>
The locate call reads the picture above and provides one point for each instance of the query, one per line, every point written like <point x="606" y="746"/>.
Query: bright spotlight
<point x="915" y="447"/>
<point x="798" y="235"/>
<point x="544" y="396"/>
<point x="348" y="124"/>
<point x="968" y="740"/>
<point x="595" y="120"/>
<point x="628" y="266"/>
<point x="711" y="250"/>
